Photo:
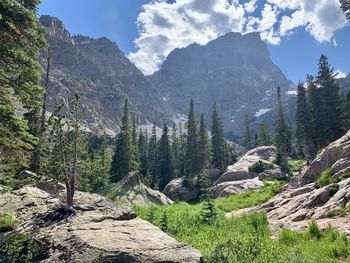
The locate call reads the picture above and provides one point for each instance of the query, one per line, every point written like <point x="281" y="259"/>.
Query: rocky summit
<point x="234" y="70"/>
<point x="96" y="230"/>
<point x="101" y="74"/>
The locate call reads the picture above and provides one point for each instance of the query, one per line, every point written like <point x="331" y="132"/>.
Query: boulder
<point x="131" y="191"/>
<point x="176" y="191"/>
<point x="25" y="174"/>
<point x="240" y="170"/>
<point x="335" y="155"/>
<point x="235" y="187"/>
<point x="96" y="230"/>
<point x="213" y="174"/>
<point x="275" y="173"/>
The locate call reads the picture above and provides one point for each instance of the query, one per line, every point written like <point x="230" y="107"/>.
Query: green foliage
<point x="150" y="216"/>
<point x="296" y="165"/>
<point x="208" y="212"/>
<point x="7" y="223"/>
<point x="259" y="167"/>
<point x="166" y="160"/>
<point x="24" y="247"/>
<point x="342" y="212"/>
<point x="325" y="179"/>
<point x="163" y="223"/>
<point x="264" y="137"/>
<point x="313" y="230"/>
<point x="22" y="36"/>
<point x="153" y="155"/>
<point x="203" y="145"/>
<point x="247" y="141"/>
<point x="217" y="140"/>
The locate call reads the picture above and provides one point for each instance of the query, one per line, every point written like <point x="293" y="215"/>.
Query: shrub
<point x="163" y="224"/>
<point x="7" y="223"/>
<point x="325" y="179"/>
<point x="314" y="230"/>
<point x="296" y="165"/>
<point x="208" y="211"/>
<point x="259" y="167"/>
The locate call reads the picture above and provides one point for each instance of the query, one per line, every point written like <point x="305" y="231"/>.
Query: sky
<point x="296" y="32"/>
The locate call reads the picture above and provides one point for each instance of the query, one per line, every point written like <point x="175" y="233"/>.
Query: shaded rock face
<point x="131" y="191"/>
<point x="240" y="170"/>
<point x="235" y="187"/>
<point x="234" y="70"/>
<point x="96" y="231"/>
<point x="176" y="191"/>
<point x="335" y="156"/>
<point x="102" y="75"/>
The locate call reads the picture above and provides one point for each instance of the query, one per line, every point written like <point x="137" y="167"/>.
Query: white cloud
<point x="164" y="26"/>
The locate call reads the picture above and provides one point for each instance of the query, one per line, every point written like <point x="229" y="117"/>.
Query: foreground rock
<point x="98" y="230"/>
<point x="335" y="156"/>
<point x="131" y="191"/>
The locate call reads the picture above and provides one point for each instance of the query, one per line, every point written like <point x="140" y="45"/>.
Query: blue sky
<point x="297" y="32"/>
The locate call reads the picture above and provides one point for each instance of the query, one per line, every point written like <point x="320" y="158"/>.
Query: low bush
<point x="259" y="167"/>
<point x="325" y="179"/>
<point x="314" y="230"/>
<point x="7" y="223"/>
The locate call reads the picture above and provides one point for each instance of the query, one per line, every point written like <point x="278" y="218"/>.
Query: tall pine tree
<point x="331" y="100"/>
<point x="143" y="150"/>
<point x="166" y="162"/>
<point x="217" y="140"/>
<point x="153" y="167"/>
<point x="191" y="157"/>
<point x="203" y="145"/>
<point x="264" y="137"/>
<point x="282" y="139"/>
<point x="124" y="160"/>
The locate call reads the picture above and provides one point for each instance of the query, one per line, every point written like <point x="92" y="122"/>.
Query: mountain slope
<point x="234" y="70"/>
<point x="103" y="76"/>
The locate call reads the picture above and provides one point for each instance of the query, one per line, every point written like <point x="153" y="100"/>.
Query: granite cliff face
<point x="234" y="70"/>
<point x="103" y="76"/>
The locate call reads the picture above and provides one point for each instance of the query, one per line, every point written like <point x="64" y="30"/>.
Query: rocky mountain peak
<point x="56" y="28"/>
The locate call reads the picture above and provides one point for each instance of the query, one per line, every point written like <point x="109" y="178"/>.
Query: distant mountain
<point x="234" y="70"/>
<point x="344" y="84"/>
<point x="103" y="76"/>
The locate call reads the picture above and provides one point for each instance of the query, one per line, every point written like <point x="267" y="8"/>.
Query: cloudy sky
<point x="296" y="31"/>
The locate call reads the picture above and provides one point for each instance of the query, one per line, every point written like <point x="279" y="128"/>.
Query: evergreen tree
<point x="281" y="134"/>
<point x="331" y="100"/>
<point x="217" y="141"/>
<point x="203" y="145"/>
<point x="166" y="163"/>
<point x="143" y="150"/>
<point x="153" y="168"/>
<point x="347" y="111"/>
<point x="317" y="115"/>
<point x="163" y="224"/>
<point x="134" y="134"/>
<point x="264" y="137"/>
<point x="247" y="137"/>
<point x="22" y="37"/>
<point x="191" y="157"/>
<point x="303" y="132"/>
<point x="175" y="149"/>
<point x="208" y="212"/>
<point x="124" y="160"/>
<point x="345" y="5"/>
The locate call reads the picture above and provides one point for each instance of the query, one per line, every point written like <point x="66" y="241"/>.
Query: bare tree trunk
<point x="37" y="154"/>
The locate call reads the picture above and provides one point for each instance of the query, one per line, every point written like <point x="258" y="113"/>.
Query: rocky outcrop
<point x="131" y="191"/>
<point x="97" y="70"/>
<point x="175" y="190"/>
<point x="95" y="231"/>
<point x="225" y="70"/>
<point x="335" y="156"/>
<point x="240" y="170"/>
<point x="235" y="187"/>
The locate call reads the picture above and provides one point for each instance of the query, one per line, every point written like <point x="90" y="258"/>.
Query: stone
<point x="240" y="170"/>
<point x="335" y="155"/>
<point x="25" y="174"/>
<point x="96" y="230"/>
<point x="235" y="187"/>
<point x="213" y="174"/>
<point x="176" y="191"/>
<point x="272" y="174"/>
<point x="131" y="191"/>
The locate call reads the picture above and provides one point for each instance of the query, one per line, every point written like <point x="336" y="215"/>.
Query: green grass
<point x="296" y="165"/>
<point x="247" y="238"/>
<point x="325" y="179"/>
<point x="7" y="223"/>
<point x="342" y="212"/>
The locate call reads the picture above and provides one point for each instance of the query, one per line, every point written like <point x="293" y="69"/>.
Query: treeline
<point x="174" y="155"/>
<point x="322" y="114"/>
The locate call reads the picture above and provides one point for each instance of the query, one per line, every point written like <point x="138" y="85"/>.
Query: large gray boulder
<point x="96" y="230"/>
<point x="175" y="190"/>
<point x="240" y="170"/>
<point x="235" y="187"/>
<point x="335" y="156"/>
<point x="131" y="191"/>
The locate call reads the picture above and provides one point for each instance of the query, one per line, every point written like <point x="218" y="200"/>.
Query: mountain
<point x="234" y="70"/>
<point x="102" y="75"/>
